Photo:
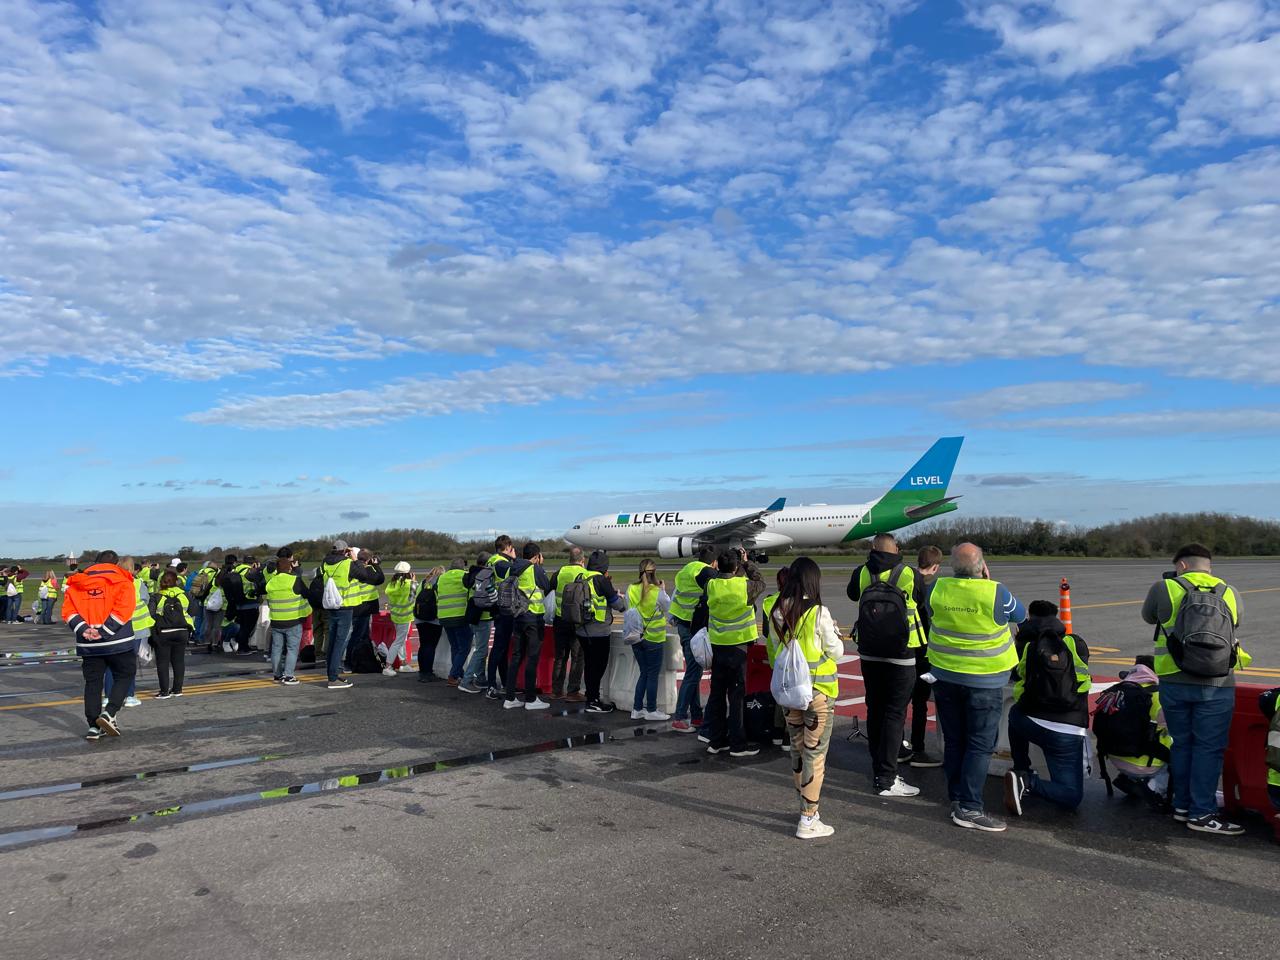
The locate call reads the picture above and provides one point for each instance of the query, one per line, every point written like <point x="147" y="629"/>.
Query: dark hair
<point x="531" y="549"/>
<point x="501" y="543"/>
<point x="167" y="579"/>
<point x="598" y="562"/>
<point x="180" y="567"/>
<point x="782" y="576"/>
<point x="727" y="562"/>
<point x="108" y="556"/>
<point x="229" y="560"/>
<point x="482" y="558"/>
<point x="285" y="553"/>
<point x="1193" y="550"/>
<point x="803" y="592"/>
<point x="929" y="556"/>
<point x="1042" y="608"/>
<point x="706" y="554"/>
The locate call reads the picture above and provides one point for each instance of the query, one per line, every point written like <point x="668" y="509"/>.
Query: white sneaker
<point x="810" y="828"/>
<point x="388" y="672"/>
<point x="132" y="702"/>
<point x="899" y="788"/>
<point x="408" y="668"/>
<point x="537" y="703"/>
<point x="656" y="715"/>
<point x="637" y="715"/>
<point x="512" y="704"/>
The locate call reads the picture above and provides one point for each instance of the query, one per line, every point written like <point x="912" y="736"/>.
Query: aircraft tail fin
<point x="932" y="473"/>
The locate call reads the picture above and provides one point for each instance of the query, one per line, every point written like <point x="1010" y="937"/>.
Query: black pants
<point x="595" y="657"/>
<point x="171" y="660"/>
<point x="359" y="633"/>
<point x="889" y="687"/>
<point x="123" y="666"/>
<point x="526" y="645"/>
<point x="428" y="636"/>
<point x="568" y="658"/>
<point x="724" y="710"/>
<point x="246" y="623"/>
<point x="503" y="627"/>
<point x="920" y="704"/>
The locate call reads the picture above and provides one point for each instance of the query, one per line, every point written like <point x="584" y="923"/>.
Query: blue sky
<point x="274" y="270"/>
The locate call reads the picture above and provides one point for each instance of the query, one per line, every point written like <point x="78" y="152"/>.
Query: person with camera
<point x="350" y="576"/>
<point x="733" y="586"/>
<point x="972" y="653"/>
<point x="1196" y="655"/>
<point x="526" y="638"/>
<point x="595" y="634"/>
<point x="286" y="595"/>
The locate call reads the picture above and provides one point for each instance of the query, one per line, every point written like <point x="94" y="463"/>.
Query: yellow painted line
<point x="226" y="686"/>
<point x="1130" y="603"/>
<point x="1092" y="648"/>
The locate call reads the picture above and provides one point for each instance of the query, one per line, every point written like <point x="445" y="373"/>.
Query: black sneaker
<point x="93" y="734"/>
<point x="107" y="724"/>
<point x="923" y="760"/>
<point x="277" y="679"/>
<point x="288" y="681"/>
<point x="427" y="678"/>
<point x="1015" y="788"/>
<point x="905" y="753"/>
<point x="340" y="684"/>
<point x="713" y="749"/>
<point x="744" y="752"/>
<point x="600" y="706"/>
<point x="1216" y="825"/>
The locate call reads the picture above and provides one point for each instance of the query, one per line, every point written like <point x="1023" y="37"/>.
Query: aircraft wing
<point x="743" y="526"/>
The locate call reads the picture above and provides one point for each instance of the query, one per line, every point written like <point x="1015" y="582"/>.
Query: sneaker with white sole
<point x="407" y="668"/>
<point x="810" y="828"/>
<point x="600" y="706"/>
<point x="637" y="714"/>
<point x="1015" y="788"/>
<point x="93" y="734"/>
<point x="713" y="749"/>
<point x="388" y="672"/>
<point x="284" y="682"/>
<point x="469" y="688"/>
<point x="1216" y="825"/>
<point x="899" y="788"/>
<point x="745" y="752"/>
<point x="162" y="696"/>
<point x="682" y="726"/>
<point x="177" y="693"/>
<point x="107" y="724"/>
<point x="1181" y="816"/>
<point x="512" y="704"/>
<point x="342" y="683"/>
<point x="977" y="820"/>
<point x="923" y="760"/>
<point x="656" y="715"/>
<point x="132" y="702"/>
<point x="537" y="703"/>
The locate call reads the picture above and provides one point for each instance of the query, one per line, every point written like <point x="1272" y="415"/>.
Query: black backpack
<point x="1202" y="640"/>
<point x="758" y="715"/>
<point x="424" y="608"/>
<point x="364" y="658"/>
<point x="882" y="629"/>
<point x="169" y="617"/>
<point x="1050" y="683"/>
<point x="1123" y="726"/>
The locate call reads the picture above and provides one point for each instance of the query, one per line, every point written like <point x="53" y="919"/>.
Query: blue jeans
<point x="1063" y="754"/>
<point x="360" y="626"/>
<point x="1199" y="720"/>
<point x="339" y="623"/>
<point x="12" y="608"/>
<point x="197" y="619"/>
<point x="459" y="635"/>
<point x="46" y="609"/>
<point x="970" y="721"/>
<point x="649" y="659"/>
<point x="689" y="700"/>
<point x="284" y="645"/>
<point x="474" y="670"/>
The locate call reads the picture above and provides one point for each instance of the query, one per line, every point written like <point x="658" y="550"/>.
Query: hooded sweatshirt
<point x="103" y="596"/>
<point x="597" y="567"/>
<point x="1028" y="630"/>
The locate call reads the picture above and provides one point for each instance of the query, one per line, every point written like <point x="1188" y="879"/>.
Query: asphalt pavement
<point x="397" y="819"/>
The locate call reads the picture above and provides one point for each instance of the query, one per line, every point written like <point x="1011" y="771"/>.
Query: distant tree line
<point x="1158" y="535"/>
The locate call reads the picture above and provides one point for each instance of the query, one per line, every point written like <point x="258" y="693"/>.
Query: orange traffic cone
<point x="1064" y="604"/>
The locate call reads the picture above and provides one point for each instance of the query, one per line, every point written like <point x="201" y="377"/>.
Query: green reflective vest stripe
<point x="493" y="561"/>
<point x="964" y="637"/>
<point x="142" y="619"/>
<point x="564" y="577"/>
<point x="340" y="573"/>
<point x="284" y="603"/>
<point x="451" y="595"/>
<point x="907" y="584"/>
<point x="655" y="624"/>
<point x="528" y="584"/>
<point x="1164" y="660"/>
<point x="684" y="602"/>
<point x="822" y="669"/>
<point x="730" y="617"/>
<point x="771" y="645"/>
<point x="400" y="597"/>
<point x="1083" y="680"/>
<point x="250" y="589"/>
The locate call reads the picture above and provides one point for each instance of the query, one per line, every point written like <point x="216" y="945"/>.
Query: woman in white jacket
<point x="799" y="617"/>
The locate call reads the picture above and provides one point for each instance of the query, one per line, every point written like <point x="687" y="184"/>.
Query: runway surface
<point x="398" y="819"/>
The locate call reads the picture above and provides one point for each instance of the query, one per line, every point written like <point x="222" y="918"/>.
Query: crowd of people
<point x="960" y="640"/>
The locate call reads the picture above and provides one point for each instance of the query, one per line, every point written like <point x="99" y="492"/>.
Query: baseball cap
<point x="340" y="545"/>
<point x="403" y="567"/>
<point x="175" y="561"/>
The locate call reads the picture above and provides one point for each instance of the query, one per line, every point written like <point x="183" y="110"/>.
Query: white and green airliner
<point x="919" y="495"/>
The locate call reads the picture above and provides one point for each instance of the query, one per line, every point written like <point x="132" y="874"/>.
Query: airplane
<point x="920" y="495"/>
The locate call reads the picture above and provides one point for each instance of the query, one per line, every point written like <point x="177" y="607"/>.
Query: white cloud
<point x="1227" y="421"/>
<point x="1020" y="397"/>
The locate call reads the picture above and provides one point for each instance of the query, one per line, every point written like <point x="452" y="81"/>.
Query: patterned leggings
<point x="810" y="732"/>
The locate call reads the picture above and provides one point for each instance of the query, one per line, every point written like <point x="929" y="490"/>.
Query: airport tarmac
<point x="398" y="819"/>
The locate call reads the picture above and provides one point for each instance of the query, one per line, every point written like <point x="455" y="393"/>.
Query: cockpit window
<point x="577" y="526"/>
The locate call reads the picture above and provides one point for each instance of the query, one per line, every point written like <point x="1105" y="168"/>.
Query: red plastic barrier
<point x="759" y="673"/>
<point x="1244" y="767"/>
<point x="546" y="660"/>
<point x="308" y="634"/>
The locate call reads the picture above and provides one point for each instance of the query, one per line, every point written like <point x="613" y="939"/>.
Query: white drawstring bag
<point x="700" y="644"/>
<point x="213" y="603"/>
<point x="332" y="598"/>
<point x="792" y="683"/>
<point x="43" y="592"/>
<point x="632" y="627"/>
<point x="145" y="654"/>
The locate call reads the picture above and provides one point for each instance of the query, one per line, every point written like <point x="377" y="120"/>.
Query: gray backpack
<point x="1203" y="639"/>
<point x="575" y="601"/>
<point x="512" y="601"/>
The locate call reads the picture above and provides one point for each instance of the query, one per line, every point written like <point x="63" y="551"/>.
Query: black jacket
<point x="1028" y="630"/>
<point x="878" y="561"/>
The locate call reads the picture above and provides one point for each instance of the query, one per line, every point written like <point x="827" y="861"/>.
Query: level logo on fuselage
<point x="669" y="517"/>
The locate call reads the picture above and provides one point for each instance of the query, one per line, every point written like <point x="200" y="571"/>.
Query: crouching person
<point x="1051" y="710"/>
<point x="798" y="616"/>
<point x="1131" y="734"/>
